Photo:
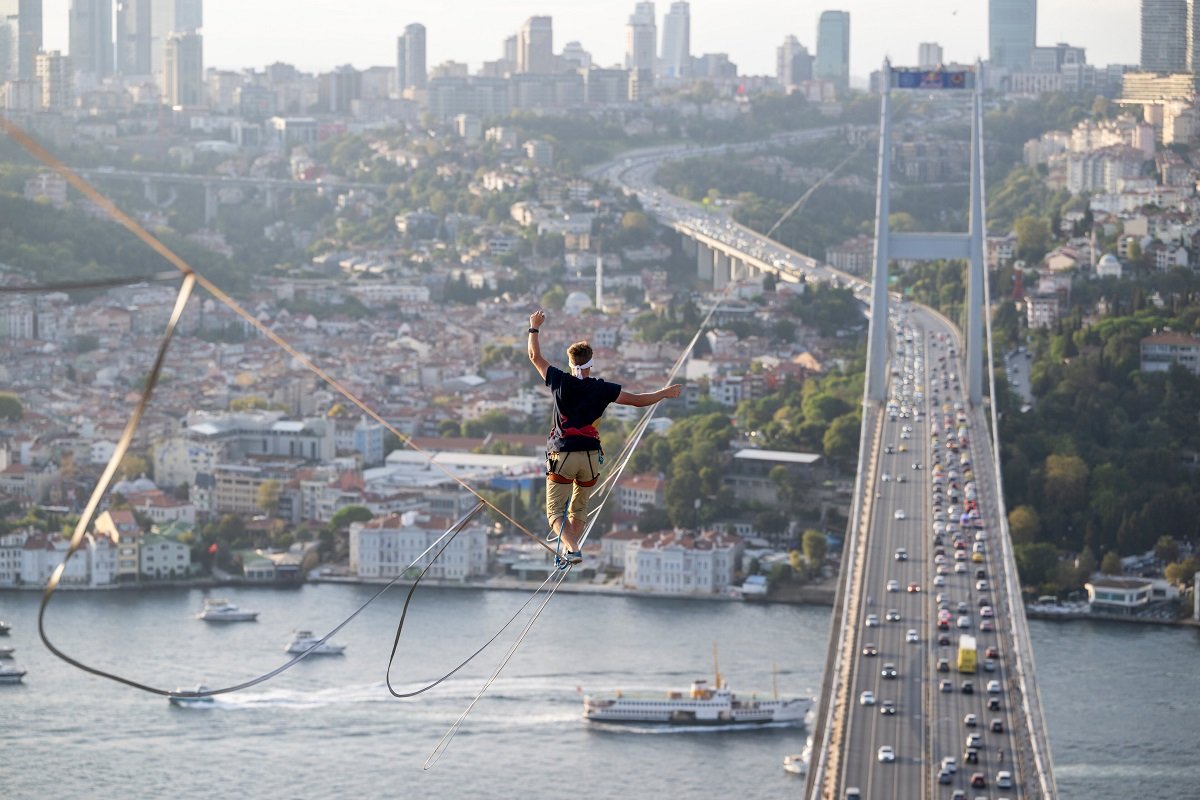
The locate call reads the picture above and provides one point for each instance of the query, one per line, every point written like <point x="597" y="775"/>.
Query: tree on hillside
<point x="1166" y="549"/>
<point x="346" y="515"/>
<point x="1111" y="564"/>
<point x="268" y="496"/>
<point x="10" y="407"/>
<point x="1024" y="524"/>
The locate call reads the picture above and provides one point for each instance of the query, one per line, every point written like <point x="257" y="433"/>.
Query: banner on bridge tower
<point x="932" y="79"/>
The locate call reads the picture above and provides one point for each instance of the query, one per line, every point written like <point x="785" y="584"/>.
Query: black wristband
<point x="533" y="330"/>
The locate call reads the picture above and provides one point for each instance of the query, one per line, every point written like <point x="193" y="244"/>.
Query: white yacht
<point x="221" y="610"/>
<point x="187" y="697"/>
<point x="6" y="651"/>
<point x="9" y="674"/>
<point x="303" y="640"/>
<point x="4" y="628"/>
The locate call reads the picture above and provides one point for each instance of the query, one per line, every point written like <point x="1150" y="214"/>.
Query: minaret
<point x="599" y="282"/>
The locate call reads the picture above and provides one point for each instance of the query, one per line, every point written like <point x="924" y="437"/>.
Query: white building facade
<point x="390" y="546"/>
<point x="682" y="563"/>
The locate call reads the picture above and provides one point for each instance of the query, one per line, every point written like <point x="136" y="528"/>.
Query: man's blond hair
<point x="579" y="353"/>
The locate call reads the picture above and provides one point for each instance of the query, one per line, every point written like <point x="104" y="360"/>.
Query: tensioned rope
<point x="605" y="488"/>
<point x="47" y="158"/>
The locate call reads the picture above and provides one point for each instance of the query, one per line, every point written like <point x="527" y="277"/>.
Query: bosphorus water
<point x="1121" y="702"/>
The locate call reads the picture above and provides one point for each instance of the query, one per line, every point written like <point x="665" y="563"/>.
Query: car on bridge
<point x="900" y="514"/>
<point x="870" y="650"/>
<point x="889" y="671"/>
<point x="887" y="708"/>
<point x="867" y="698"/>
<point x="887" y="754"/>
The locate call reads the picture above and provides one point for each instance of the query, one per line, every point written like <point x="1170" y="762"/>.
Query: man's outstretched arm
<point x="648" y="398"/>
<point x="535" y="349"/>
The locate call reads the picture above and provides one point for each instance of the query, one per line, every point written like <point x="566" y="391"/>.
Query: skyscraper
<point x="29" y="14"/>
<point x="1012" y="33"/>
<point x="641" y="38"/>
<point x="535" y="46"/>
<point x="1165" y="35"/>
<point x="10" y="36"/>
<point x="410" y="58"/>
<point x="183" y="65"/>
<point x="91" y="37"/>
<point x="929" y="55"/>
<point x="676" y="42"/>
<point x="833" y="48"/>
<point x="168" y="17"/>
<point x="134" y="37"/>
<point x="793" y="64"/>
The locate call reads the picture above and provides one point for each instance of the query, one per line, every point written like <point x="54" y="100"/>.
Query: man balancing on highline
<point x="573" y="453"/>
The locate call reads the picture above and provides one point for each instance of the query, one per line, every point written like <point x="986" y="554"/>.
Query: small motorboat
<point x="10" y="674"/>
<point x="796" y="764"/>
<point x="304" y="640"/>
<point x="188" y="697"/>
<point x="6" y="651"/>
<point x="221" y="610"/>
<point x="4" y="628"/>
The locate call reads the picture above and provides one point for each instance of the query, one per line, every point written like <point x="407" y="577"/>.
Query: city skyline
<point x="238" y="35"/>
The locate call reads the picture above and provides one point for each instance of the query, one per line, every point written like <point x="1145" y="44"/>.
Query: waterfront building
<point x="91" y="37"/>
<point x="833" y="49"/>
<point x="1165" y="36"/>
<point x="676" y="41"/>
<point x="164" y="558"/>
<point x="387" y="546"/>
<point x="682" y="562"/>
<point x="1012" y="33"/>
<point x="29" y="557"/>
<point x="1126" y="596"/>
<point x="410" y="59"/>
<point x="636" y="492"/>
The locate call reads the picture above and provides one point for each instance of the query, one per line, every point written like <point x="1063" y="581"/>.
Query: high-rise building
<point x="833" y="48"/>
<point x="10" y="37"/>
<point x="676" y="42"/>
<point x="1165" y="36"/>
<point x="1012" y="33"/>
<point x="29" y="16"/>
<point x="168" y="17"/>
<point x="535" y="46"/>
<point x="575" y="57"/>
<point x="929" y="55"/>
<point x="410" y="58"/>
<point x="641" y="38"/>
<point x="91" y="37"/>
<point x="183" y="66"/>
<point x="1193" y="38"/>
<point x="793" y="63"/>
<point x="56" y="73"/>
<point x="134" y="37"/>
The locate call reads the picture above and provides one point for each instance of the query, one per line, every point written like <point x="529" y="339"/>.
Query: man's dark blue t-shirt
<point x="578" y="406"/>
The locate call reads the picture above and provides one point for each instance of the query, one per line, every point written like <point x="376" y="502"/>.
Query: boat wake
<point x="660" y="730"/>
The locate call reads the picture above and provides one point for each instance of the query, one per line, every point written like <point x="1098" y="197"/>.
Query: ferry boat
<point x="220" y="610"/>
<point x="303" y="640"/>
<point x="10" y="674"/>
<point x="703" y="705"/>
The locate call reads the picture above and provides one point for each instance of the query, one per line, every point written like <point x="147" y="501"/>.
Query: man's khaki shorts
<point x="569" y="483"/>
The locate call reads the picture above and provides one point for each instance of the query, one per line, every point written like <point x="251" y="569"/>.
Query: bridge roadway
<point x="929" y="724"/>
<point x="224" y="181"/>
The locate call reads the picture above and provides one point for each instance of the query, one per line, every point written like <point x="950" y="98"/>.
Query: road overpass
<point x="927" y="377"/>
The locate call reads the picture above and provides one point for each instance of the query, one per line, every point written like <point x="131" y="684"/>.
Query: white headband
<point x="578" y="370"/>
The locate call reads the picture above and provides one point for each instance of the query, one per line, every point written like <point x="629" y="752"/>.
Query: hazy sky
<point x="321" y="34"/>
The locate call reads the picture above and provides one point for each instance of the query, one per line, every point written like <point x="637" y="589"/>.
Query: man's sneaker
<point x="573" y="557"/>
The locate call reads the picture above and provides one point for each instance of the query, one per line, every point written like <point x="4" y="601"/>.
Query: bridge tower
<point x="928" y="246"/>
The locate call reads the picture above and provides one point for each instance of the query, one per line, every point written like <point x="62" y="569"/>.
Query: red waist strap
<point x="588" y="430"/>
